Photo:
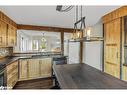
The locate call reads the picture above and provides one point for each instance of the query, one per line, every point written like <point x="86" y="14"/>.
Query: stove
<point x="2" y="75"/>
<point x="2" y="66"/>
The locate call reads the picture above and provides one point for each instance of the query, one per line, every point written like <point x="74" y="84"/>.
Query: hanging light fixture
<point x="43" y="39"/>
<point x="78" y="32"/>
<point x="81" y="33"/>
<point x="87" y="33"/>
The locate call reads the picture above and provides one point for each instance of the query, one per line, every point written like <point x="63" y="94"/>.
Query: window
<point x="43" y="44"/>
<point x="35" y="45"/>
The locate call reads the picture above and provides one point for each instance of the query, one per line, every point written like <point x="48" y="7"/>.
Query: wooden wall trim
<point x="120" y="12"/>
<point x="81" y="51"/>
<point x="7" y="20"/>
<point x="62" y="42"/>
<point x="44" y="28"/>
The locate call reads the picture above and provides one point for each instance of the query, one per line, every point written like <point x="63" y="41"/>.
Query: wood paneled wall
<point x="114" y="42"/>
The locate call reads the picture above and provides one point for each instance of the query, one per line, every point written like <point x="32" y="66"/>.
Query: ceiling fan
<point x="61" y="8"/>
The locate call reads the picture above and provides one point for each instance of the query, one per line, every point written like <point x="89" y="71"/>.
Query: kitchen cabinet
<point x="12" y="74"/>
<point x="45" y="67"/>
<point x="23" y="69"/>
<point x="11" y="35"/>
<point x="7" y="31"/>
<point x="35" y="68"/>
<point x="3" y="33"/>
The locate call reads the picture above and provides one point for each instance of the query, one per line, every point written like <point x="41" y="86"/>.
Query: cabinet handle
<point x="12" y="41"/>
<point x="0" y="39"/>
<point x="117" y="55"/>
<point x="27" y="69"/>
<point x="40" y="67"/>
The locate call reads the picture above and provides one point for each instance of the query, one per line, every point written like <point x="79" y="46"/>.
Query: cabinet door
<point x="3" y="33"/>
<point x="11" y="35"/>
<point x="23" y="71"/>
<point x="112" y="48"/>
<point x="12" y="74"/>
<point x="45" y="67"/>
<point x="33" y="68"/>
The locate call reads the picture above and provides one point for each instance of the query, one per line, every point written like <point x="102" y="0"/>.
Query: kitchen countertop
<point x="83" y="76"/>
<point x="6" y="61"/>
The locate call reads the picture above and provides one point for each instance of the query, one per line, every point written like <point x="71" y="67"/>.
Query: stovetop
<point x="2" y="66"/>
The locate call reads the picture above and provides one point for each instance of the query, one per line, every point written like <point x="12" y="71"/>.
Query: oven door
<point x="2" y="78"/>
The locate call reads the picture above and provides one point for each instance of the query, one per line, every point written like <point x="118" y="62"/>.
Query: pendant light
<point x="43" y="39"/>
<point x="78" y="32"/>
<point x="81" y="33"/>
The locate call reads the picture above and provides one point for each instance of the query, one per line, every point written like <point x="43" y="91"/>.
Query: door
<point x="3" y="33"/>
<point x="112" y="48"/>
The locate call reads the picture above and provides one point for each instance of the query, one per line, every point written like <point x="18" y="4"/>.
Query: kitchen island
<point x="83" y="76"/>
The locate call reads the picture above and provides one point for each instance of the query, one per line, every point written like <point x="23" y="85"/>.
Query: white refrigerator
<point x="74" y="50"/>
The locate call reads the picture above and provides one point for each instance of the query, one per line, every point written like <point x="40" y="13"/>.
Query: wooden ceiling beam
<point x="44" y="28"/>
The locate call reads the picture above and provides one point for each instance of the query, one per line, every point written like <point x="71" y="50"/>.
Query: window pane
<point x="40" y="41"/>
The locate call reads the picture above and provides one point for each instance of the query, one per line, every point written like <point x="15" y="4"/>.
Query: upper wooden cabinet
<point x="12" y="34"/>
<point x="3" y="33"/>
<point x="7" y="31"/>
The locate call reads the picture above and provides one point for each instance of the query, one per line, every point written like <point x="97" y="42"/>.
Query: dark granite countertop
<point x="6" y="61"/>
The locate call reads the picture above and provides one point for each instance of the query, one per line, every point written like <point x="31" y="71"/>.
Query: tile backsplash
<point x="6" y="51"/>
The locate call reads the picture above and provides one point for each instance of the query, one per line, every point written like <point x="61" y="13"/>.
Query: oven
<point x="2" y="77"/>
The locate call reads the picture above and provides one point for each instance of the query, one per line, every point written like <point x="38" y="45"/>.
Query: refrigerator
<point x="93" y="54"/>
<point x="74" y="50"/>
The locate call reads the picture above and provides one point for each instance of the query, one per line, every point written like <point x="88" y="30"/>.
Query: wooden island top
<point x="83" y="76"/>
